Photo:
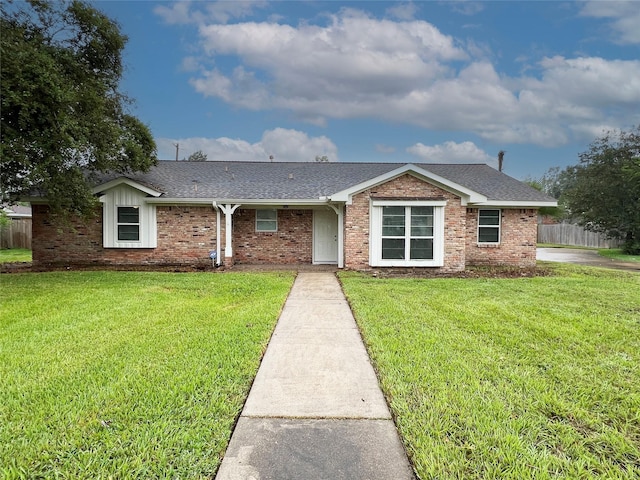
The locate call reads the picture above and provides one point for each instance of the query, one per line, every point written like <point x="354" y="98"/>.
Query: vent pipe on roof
<point x="500" y="159"/>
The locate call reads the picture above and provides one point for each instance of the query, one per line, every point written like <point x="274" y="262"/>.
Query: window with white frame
<point x="489" y="225"/>
<point x="128" y="224"/>
<point x="267" y="220"/>
<point x="407" y="233"/>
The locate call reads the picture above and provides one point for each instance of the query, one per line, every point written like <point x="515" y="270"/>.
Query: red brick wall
<point x="291" y="244"/>
<point x="357" y="222"/>
<point x="185" y="237"/>
<point x="518" y="235"/>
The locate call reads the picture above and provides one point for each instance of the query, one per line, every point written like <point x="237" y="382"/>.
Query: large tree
<point x="63" y="116"/>
<point x="604" y="193"/>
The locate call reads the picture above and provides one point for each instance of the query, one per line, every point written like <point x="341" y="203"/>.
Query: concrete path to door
<point x="583" y="257"/>
<point x="315" y="410"/>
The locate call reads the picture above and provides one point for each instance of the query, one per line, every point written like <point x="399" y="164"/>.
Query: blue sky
<point x="450" y="81"/>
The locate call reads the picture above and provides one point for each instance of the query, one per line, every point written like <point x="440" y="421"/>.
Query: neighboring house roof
<point x="16" y="211"/>
<point x="309" y="180"/>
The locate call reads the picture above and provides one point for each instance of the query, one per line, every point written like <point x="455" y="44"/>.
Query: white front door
<point x="325" y="236"/>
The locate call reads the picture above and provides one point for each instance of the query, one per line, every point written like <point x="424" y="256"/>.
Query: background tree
<point x="63" y="118"/>
<point x="198" y="156"/>
<point x="604" y="193"/>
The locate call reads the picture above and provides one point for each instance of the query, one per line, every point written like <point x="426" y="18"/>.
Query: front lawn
<point x="531" y="378"/>
<point x="128" y="374"/>
<point x="617" y="254"/>
<point x="10" y="255"/>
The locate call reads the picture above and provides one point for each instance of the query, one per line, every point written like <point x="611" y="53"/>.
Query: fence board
<point x="569" y="234"/>
<point x="16" y="234"/>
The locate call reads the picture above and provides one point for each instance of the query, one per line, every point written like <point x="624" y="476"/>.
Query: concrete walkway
<point x="315" y="410"/>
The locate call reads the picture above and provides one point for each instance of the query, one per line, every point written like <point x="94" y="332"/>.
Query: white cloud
<point x="625" y="18"/>
<point x="408" y="72"/>
<point x="451" y="152"/>
<point x="384" y="148"/>
<point x="186" y="12"/>
<point x="403" y="11"/>
<point x="283" y="144"/>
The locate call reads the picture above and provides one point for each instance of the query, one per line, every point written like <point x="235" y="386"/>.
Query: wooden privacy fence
<point x="569" y="234"/>
<point x="17" y="234"/>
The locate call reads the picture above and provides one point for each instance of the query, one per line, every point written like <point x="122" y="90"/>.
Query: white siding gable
<point x="126" y="196"/>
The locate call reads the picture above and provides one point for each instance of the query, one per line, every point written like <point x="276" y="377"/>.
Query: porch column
<point x="339" y="209"/>
<point x="228" y="210"/>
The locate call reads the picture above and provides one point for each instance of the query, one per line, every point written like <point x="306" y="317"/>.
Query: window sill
<point x="488" y="245"/>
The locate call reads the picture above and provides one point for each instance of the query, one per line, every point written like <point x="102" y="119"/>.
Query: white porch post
<point x="228" y="210"/>
<point x="339" y="209"/>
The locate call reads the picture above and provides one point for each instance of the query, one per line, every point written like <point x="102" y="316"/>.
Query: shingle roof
<point x="310" y="180"/>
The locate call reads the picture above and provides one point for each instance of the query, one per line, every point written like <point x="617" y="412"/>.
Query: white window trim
<point x="125" y="196"/>
<point x="259" y="230"/>
<point x="375" y="233"/>
<point x="139" y="224"/>
<point x="499" y="227"/>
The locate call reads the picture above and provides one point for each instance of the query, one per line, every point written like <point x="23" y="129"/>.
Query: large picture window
<point x="128" y="224"/>
<point x="407" y="233"/>
<point x="489" y="226"/>
<point x="267" y="220"/>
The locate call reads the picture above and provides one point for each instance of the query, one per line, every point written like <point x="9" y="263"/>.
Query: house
<point x="442" y="217"/>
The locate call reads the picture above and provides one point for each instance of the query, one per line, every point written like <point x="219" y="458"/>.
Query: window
<point x="407" y="233"/>
<point x="489" y="226"/>
<point x="267" y="220"/>
<point x="128" y="224"/>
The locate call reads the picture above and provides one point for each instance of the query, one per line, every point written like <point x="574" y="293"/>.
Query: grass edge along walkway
<point x="128" y="374"/>
<point x="530" y="378"/>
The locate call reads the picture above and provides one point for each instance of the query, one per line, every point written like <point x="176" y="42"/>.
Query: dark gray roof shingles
<point x="310" y="180"/>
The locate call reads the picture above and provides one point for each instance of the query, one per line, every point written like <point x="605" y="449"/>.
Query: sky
<point x="374" y="81"/>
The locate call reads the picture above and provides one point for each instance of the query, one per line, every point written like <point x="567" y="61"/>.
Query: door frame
<point x="327" y="215"/>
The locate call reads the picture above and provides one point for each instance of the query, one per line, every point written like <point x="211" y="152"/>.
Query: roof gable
<point x="126" y="181"/>
<point x="466" y="194"/>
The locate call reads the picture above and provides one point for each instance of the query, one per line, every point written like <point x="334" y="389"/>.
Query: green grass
<point x="616" y="254"/>
<point x="9" y="255"/>
<point x="128" y="374"/>
<point x="530" y="378"/>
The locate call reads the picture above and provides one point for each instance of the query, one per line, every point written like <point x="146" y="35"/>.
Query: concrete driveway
<point x="583" y="257"/>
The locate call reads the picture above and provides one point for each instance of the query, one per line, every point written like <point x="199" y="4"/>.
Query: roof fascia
<point x="126" y="181"/>
<point x="465" y="193"/>
<point x="514" y="204"/>
<point x="243" y="201"/>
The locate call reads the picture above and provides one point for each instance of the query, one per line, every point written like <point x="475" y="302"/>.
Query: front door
<point x="325" y="236"/>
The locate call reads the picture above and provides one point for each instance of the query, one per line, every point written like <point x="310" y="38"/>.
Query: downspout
<point x="218" y="231"/>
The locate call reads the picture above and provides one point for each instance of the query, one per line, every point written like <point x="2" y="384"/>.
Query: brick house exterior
<point x="358" y="216"/>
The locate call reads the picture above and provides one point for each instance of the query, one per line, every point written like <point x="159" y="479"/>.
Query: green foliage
<point x="128" y="374"/>
<point x="509" y="378"/>
<point x="555" y="212"/>
<point x="198" y="156"/>
<point x="605" y="193"/>
<point x="63" y="117"/>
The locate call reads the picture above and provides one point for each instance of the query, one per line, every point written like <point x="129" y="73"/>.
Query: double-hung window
<point x="128" y="224"/>
<point x="267" y="220"/>
<point x="489" y="225"/>
<point x="407" y="233"/>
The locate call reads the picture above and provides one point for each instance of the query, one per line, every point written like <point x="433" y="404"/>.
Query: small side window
<point x="489" y="226"/>
<point x="267" y="220"/>
<point x="128" y="224"/>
